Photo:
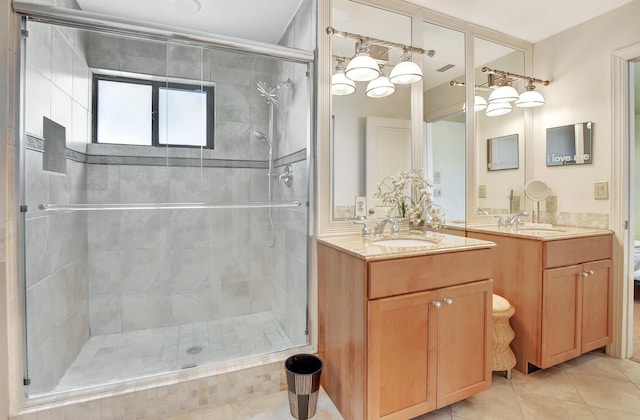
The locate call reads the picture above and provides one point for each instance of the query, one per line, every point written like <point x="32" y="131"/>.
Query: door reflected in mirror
<point x="570" y="144"/>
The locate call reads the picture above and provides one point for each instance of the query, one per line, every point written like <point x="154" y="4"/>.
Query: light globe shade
<point x="405" y="72"/>
<point x="497" y="109"/>
<point x="503" y="94"/>
<point x="479" y="103"/>
<point x="341" y="85"/>
<point x="362" y="68"/>
<point x="530" y="99"/>
<point x="380" y="87"/>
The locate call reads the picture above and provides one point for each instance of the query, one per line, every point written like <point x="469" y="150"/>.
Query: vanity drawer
<point x="408" y="275"/>
<point x="575" y="251"/>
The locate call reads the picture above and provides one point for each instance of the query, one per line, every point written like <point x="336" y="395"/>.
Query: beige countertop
<point x="367" y="249"/>
<point x="540" y="232"/>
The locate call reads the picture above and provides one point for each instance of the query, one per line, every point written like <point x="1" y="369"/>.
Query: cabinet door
<point x="596" y="305"/>
<point x="561" y="313"/>
<point x="401" y="365"/>
<point x="465" y="329"/>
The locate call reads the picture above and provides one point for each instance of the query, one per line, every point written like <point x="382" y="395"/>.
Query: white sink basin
<point x="405" y="243"/>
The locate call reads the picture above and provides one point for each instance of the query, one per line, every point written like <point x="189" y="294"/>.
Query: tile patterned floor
<point x="116" y="357"/>
<point x="592" y="386"/>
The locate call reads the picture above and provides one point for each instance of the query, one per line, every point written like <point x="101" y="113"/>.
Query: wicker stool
<point x="503" y="357"/>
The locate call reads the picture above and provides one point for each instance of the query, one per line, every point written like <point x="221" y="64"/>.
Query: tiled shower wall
<point x="56" y="273"/>
<point x="155" y="268"/>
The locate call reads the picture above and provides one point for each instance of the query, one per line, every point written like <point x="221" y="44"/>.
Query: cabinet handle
<point x="590" y="272"/>
<point x="448" y="301"/>
<point x="436" y="304"/>
<point x="584" y="274"/>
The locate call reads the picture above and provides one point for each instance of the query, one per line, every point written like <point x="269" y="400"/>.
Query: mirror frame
<point x="325" y="225"/>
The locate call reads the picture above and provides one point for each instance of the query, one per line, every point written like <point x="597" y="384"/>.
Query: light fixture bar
<point x="506" y="74"/>
<point x="455" y="83"/>
<point x="366" y="39"/>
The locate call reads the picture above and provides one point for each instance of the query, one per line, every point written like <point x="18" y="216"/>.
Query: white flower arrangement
<point x="409" y="193"/>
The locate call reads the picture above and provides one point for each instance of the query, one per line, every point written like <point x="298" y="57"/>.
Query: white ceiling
<point x="265" y="20"/>
<point x="531" y="21"/>
<point x="257" y="20"/>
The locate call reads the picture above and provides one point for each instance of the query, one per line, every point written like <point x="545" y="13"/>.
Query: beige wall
<point x="578" y="63"/>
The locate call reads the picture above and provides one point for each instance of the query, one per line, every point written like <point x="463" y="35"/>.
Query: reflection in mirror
<point x="498" y="191"/>
<point x="371" y="133"/>
<point x="569" y="144"/>
<point x="502" y="153"/>
<point x="444" y="119"/>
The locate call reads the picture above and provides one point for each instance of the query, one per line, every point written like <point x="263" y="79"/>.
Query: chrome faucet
<point x="515" y="219"/>
<point x="378" y="229"/>
<point x="365" y="228"/>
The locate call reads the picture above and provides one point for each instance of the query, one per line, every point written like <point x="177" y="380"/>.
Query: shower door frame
<point x="78" y="19"/>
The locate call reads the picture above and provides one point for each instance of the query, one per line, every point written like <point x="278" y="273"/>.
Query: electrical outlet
<point x="361" y="206"/>
<point x="437" y="192"/>
<point x="482" y="191"/>
<point x="601" y="190"/>
<point x="551" y="203"/>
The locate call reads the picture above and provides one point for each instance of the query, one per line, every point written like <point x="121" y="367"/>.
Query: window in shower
<point x="152" y="113"/>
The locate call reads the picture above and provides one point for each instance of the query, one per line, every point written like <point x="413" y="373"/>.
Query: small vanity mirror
<point x="502" y="153"/>
<point x="570" y="144"/>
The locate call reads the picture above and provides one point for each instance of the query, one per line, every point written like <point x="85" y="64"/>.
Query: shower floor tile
<point x="116" y="357"/>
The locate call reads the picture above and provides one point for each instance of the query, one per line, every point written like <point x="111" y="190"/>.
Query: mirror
<point x="502" y="153"/>
<point x="498" y="191"/>
<point x="444" y="120"/>
<point x="371" y="137"/>
<point x="569" y="144"/>
<point x="537" y="191"/>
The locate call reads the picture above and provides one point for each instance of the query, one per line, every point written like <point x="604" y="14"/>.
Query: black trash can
<point x="303" y="383"/>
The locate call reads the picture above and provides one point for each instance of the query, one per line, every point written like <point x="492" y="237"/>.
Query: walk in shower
<point x="165" y="204"/>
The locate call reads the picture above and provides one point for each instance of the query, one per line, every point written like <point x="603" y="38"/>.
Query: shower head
<point x="261" y="136"/>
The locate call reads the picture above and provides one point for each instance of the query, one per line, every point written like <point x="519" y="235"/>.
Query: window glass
<point x="182" y="117"/>
<point x="124" y="113"/>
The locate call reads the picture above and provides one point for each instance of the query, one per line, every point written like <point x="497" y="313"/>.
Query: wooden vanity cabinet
<point x="576" y="311"/>
<point x="402" y="337"/>
<point x="561" y="291"/>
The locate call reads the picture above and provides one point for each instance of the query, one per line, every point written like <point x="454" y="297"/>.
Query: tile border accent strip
<point x="37" y="144"/>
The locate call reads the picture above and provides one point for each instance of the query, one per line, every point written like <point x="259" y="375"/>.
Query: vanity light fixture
<point x="380" y="87"/>
<point x="506" y="93"/>
<point x="406" y="71"/>
<point x="497" y="109"/>
<point x="362" y="68"/>
<point x="340" y="84"/>
<point x="479" y="103"/>
<point x="530" y="98"/>
<point x="503" y="93"/>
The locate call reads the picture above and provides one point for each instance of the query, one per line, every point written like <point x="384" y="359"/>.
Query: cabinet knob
<point x="436" y="304"/>
<point x="448" y="301"/>
<point x="584" y="274"/>
<point x="590" y="272"/>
